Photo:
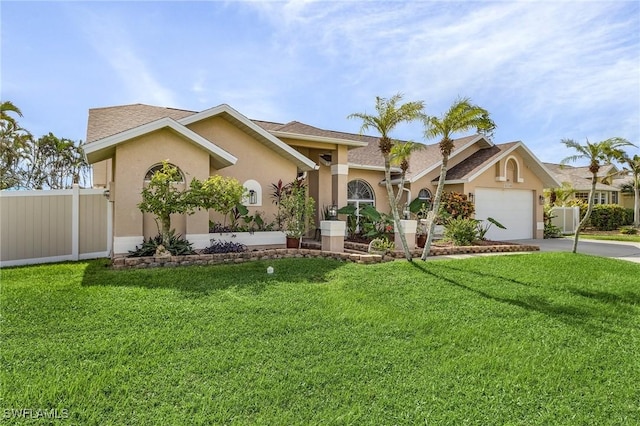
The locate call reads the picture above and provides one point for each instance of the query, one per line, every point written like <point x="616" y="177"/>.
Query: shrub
<point x="381" y="245"/>
<point x="608" y="217"/>
<point x="176" y="246"/>
<point x="550" y="230"/>
<point x="628" y="230"/>
<point x="462" y="232"/>
<point x="455" y="205"/>
<point x="224" y="247"/>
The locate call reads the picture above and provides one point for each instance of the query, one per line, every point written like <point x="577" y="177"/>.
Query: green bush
<point x="628" y="230"/>
<point x="177" y="246"/>
<point x="608" y="217"/>
<point x="455" y="205"/>
<point x="462" y="232"/>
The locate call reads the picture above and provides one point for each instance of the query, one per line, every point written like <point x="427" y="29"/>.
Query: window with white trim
<point x="360" y="193"/>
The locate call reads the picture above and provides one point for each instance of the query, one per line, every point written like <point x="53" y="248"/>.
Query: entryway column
<point x="409" y="227"/>
<point x="339" y="176"/>
<point x="332" y="232"/>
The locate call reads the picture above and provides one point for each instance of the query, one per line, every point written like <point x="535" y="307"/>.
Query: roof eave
<point x="372" y="168"/>
<point x="103" y="149"/>
<point x="322" y="139"/>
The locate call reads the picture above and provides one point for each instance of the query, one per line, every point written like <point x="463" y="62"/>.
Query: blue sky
<point x="546" y="70"/>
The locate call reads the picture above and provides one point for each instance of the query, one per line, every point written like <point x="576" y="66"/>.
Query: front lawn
<point x="549" y="338"/>
<point x="611" y="237"/>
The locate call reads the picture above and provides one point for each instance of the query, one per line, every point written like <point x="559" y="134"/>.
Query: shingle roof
<point x="109" y="121"/>
<point x="476" y="161"/>
<point x="369" y="156"/>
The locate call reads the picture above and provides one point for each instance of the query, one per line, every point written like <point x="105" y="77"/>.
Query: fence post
<point x="75" y="222"/>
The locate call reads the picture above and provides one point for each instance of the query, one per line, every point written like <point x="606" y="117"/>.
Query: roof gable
<point x="479" y="162"/>
<point x="257" y="132"/>
<point x="105" y="148"/>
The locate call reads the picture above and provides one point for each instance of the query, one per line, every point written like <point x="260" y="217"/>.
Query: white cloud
<point x="551" y="67"/>
<point x="111" y="40"/>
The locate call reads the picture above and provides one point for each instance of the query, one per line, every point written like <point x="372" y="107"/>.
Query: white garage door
<point x="511" y="207"/>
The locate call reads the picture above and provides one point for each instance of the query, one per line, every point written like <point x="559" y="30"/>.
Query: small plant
<point x="296" y="210"/>
<point x="176" y="245"/>
<point x="461" y="232"/>
<point x="381" y="245"/>
<point x="218" y="246"/>
<point x="628" y="230"/>
<point x="483" y="228"/>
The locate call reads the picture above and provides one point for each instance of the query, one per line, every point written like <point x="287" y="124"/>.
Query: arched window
<point x="360" y="193"/>
<point x="158" y="167"/>
<point x="425" y="195"/>
<point x="425" y="202"/>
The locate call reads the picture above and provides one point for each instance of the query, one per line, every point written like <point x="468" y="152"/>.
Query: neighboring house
<point x="579" y="179"/>
<point x="126" y="143"/>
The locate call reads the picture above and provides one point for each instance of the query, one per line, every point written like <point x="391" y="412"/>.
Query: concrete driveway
<point x="614" y="249"/>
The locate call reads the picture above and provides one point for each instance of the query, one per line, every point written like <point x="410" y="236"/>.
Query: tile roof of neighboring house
<point x="578" y="177"/>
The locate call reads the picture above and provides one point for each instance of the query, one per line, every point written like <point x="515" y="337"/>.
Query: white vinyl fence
<point x="54" y="226"/>
<point x="566" y="218"/>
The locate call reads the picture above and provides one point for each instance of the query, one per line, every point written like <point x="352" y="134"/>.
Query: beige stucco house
<point x="125" y="144"/>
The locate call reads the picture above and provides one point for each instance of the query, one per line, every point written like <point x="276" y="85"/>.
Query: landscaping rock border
<point x="355" y="254"/>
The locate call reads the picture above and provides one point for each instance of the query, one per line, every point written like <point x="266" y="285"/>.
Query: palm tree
<point x="388" y="115"/>
<point x="462" y="116"/>
<point x="5" y="108"/>
<point x="597" y="153"/>
<point x="400" y="156"/>
<point x="634" y="167"/>
<point x="13" y="140"/>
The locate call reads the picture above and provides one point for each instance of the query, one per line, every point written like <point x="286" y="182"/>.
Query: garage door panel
<point x="511" y="207"/>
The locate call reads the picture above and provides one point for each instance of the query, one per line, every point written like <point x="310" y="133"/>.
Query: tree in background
<point x="633" y="164"/>
<point x="46" y="163"/>
<point x="13" y="140"/>
<point x="597" y="153"/>
<point x="388" y="115"/>
<point x="462" y="116"/>
<point x="54" y="163"/>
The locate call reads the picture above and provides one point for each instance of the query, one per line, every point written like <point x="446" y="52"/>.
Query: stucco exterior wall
<point x="134" y="159"/>
<point x="255" y="161"/>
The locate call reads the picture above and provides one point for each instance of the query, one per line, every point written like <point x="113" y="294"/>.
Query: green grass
<point x="611" y="237"/>
<point x="550" y="338"/>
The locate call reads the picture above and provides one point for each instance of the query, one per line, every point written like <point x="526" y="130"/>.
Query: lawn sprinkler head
<point x="270" y="270"/>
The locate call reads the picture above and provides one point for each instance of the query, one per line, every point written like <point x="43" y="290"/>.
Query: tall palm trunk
<point x="394" y="206"/>
<point x="585" y="219"/>
<point x="431" y="216"/>
<point x="636" y="206"/>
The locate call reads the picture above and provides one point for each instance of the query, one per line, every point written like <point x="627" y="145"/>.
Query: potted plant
<point x="297" y="213"/>
<point x="419" y="209"/>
